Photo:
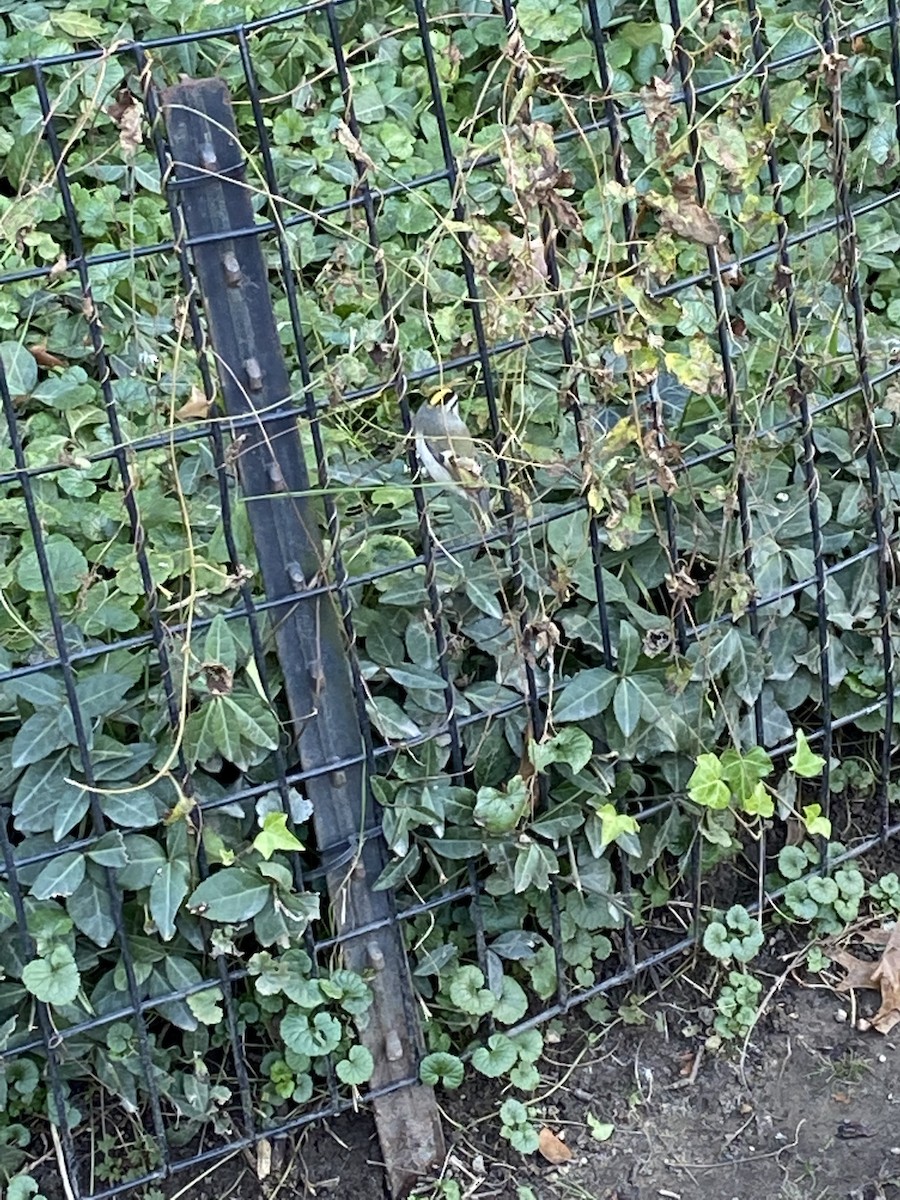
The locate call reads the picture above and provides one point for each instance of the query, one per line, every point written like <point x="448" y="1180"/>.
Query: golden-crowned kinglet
<point x="446" y="452"/>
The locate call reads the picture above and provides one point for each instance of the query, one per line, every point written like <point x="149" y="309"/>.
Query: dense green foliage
<point x="607" y="390"/>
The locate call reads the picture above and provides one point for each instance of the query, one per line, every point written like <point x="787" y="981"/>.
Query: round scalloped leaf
<point x="497" y="1058"/>
<point x="513" y="1002"/>
<point x="54" y="979"/>
<point x="468" y="993"/>
<point x="442" y="1068"/>
<point x="357" y="1068"/>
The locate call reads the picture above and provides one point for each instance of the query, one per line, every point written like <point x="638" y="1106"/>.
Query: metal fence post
<point x="233" y="280"/>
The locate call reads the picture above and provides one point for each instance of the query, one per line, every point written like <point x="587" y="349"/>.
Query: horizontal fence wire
<point x="658" y="497"/>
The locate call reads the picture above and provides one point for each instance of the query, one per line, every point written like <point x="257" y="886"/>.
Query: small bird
<point x="446" y="452"/>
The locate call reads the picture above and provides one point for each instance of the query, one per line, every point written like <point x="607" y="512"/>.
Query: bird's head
<point x="444" y="397"/>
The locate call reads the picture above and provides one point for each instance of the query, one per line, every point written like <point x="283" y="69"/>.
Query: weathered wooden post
<point x="233" y="280"/>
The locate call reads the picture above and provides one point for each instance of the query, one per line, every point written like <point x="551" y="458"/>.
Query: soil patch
<point x="812" y="1112"/>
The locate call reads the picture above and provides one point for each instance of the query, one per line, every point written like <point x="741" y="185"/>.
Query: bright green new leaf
<point x="615" y="824"/>
<point x="803" y="761"/>
<point x="275" y="836"/>
<point x="816" y="824"/>
<point x="706" y="786"/>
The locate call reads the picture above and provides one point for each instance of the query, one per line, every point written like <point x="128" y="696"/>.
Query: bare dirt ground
<point x="811" y="1112"/>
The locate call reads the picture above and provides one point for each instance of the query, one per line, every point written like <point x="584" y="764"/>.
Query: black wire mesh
<point x="153" y="375"/>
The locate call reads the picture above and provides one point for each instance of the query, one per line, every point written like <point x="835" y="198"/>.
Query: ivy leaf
<point x="803" y="761"/>
<point x="816" y="824"/>
<point x="219" y="646"/>
<point x="627" y="705"/>
<point x="232" y="895"/>
<point x="759" y="803"/>
<point x="500" y="811"/>
<point x="20" y="369"/>
<point x="53" y="979"/>
<point x="275" y="836"/>
<point x="207" y="1006"/>
<point x="706" y="786"/>
<point x="38" y="737"/>
<point x="109" y="851"/>
<point x="145" y="857"/>
<point x="357" y="1068"/>
<point x="570" y="746"/>
<point x="90" y="908"/>
<point x="42" y="690"/>
<point x="497" y="1058"/>
<point x="535" y="864"/>
<point x="167" y="891"/>
<point x="60" y="877"/>
<point x="587" y="695"/>
<point x="135" y="809"/>
<point x="442" y="1068"/>
<point x="615" y="824"/>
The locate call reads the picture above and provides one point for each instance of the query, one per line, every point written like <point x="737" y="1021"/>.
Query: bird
<point x="446" y="452"/>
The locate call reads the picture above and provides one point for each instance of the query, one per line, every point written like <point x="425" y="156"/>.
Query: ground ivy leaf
<point x="53" y="979"/>
<point x="357" y="1068"/>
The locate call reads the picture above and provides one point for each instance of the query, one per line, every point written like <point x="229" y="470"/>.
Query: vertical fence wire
<point x="848" y="263"/>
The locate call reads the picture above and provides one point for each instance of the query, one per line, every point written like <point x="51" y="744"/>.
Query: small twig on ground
<point x="733" y="1162"/>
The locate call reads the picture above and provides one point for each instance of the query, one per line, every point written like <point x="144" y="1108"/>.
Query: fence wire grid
<point x="655" y="260"/>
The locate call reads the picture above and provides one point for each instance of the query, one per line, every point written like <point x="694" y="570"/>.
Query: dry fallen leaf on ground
<point x="553" y="1148"/>
<point x="882" y="975"/>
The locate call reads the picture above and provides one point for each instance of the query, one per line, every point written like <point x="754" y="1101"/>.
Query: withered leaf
<point x="657" y="101"/>
<point x="194" y="409"/>
<point x="882" y="975"/>
<point x="126" y="115"/>
<point x="686" y="218"/>
<point x="552" y="1148"/>
<point x="44" y="358"/>
<point x="353" y="146"/>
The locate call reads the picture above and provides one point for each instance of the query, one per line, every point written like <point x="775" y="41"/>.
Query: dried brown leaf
<point x="552" y="1148"/>
<point x="44" y="358"/>
<point x="194" y="409"/>
<point x="126" y="115"/>
<point x="351" y="143"/>
<point x="887" y="975"/>
<point x="657" y="101"/>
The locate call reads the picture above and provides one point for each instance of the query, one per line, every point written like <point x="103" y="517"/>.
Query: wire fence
<point x="253" y="655"/>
